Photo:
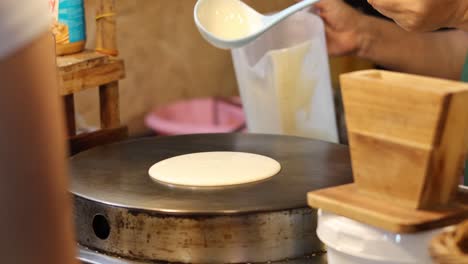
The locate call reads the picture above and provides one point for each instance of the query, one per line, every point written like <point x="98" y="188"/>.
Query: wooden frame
<point x="408" y="142"/>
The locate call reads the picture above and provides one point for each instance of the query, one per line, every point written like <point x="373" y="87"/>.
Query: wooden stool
<point x="407" y="141"/>
<point x="91" y="69"/>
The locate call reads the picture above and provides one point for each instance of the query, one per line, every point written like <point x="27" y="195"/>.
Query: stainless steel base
<point x="260" y="237"/>
<point x="87" y="256"/>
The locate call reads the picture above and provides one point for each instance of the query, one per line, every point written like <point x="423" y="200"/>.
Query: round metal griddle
<point x="121" y="211"/>
<point x="118" y="174"/>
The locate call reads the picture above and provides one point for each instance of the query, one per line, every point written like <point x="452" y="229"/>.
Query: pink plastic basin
<point x="207" y="115"/>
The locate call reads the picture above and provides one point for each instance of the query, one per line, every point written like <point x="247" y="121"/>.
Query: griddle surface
<point x="117" y="174"/>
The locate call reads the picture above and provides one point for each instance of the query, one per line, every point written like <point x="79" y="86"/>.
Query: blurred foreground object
<point x="451" y="247"/>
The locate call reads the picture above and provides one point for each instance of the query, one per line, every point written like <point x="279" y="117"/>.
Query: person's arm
<point x="36" y="214"/>
<point x="438" y="54"/>
<point x="425" y="15"/>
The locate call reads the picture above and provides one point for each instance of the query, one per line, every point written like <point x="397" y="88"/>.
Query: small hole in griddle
<point x="101" y="227"/>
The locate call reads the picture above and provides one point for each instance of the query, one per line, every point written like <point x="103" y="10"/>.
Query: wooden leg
<point x="109" y="105"/>
<point x="70" y="114"/>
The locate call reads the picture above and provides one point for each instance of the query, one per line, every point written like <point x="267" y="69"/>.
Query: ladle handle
<point x="273" y="19"/>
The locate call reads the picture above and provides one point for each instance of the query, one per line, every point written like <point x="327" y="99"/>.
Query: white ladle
<point x="229" y="24"/>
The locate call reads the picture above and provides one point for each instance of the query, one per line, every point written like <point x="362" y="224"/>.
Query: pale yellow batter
<point x="213" y="169"/>
<point x="227" y="19"/>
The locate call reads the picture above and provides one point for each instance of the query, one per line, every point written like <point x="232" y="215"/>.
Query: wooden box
<point x="407" y="136"/>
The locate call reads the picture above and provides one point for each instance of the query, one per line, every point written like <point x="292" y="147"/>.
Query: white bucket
<point x="351" y="242"/>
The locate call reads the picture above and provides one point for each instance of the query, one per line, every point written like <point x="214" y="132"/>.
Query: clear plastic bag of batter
<point x="284" y="80"/>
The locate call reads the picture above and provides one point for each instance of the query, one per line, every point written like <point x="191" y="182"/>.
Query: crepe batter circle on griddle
<point x="214" y="169"/>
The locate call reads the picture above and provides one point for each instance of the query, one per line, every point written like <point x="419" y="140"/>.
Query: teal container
<point x="70" y="26"/>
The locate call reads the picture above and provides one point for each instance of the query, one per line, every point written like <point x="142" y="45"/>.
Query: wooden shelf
<point x="90" y="69"/>
<point x="87" y="69"/>
<point x="93" y="139"/>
